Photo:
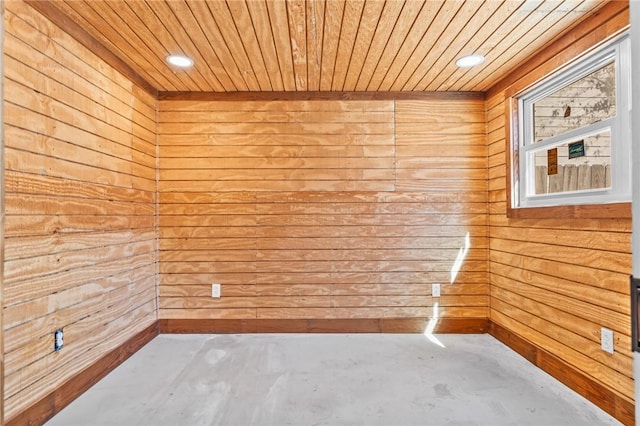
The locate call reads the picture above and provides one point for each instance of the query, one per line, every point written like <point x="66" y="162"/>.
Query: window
<point x="573" y="134"/>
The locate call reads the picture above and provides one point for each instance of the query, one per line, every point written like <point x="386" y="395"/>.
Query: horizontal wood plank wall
<point x="80" y="205"/>
<point x="556" y="281"/>
<point x="318" y="209"/>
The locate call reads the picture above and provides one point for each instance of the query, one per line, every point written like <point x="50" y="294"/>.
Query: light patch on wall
<point x="431" y="326"/>
<point x="462" y="253"/>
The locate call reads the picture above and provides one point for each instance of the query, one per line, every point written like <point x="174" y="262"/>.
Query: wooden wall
<point x="322" y="209"/>
<point x="301" y="209"/>
<point x="80" y="207"/>
<point x="555" y="279"/>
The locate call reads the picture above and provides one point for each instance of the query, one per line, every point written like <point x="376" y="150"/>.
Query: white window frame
<point x="523" y="174"/>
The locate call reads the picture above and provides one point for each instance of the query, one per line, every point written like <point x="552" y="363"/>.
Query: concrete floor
<point x="328" y="379"/>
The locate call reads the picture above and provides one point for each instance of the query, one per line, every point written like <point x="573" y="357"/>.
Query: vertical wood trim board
<point x="80" y="243"/>
<point x="322" y="209"/>
<point x="555" y="281"/>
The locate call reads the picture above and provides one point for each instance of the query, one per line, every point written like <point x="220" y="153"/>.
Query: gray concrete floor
<point x="328" y="379"/>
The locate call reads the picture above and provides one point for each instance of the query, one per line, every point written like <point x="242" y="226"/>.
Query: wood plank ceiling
<point x="324" y="45"/>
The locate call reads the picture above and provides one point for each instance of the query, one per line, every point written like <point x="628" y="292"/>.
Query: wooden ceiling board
<point x="386" y="24"/>
<point x="479" y="43"/>
<point x="315" y="25"/>
<point x="158" y="42"/>
<point x="215" y="45"/>
<point x="298" y="32"/>
<point x="418" y="30"/>
<point x="427" y="43"/>
<point x="278" y="17"/>
<point x="332" y="25"/>
<point x="368" y="25"/>
<point x="256" y="79"/>
<point x="262" y="64"/>
<point x="525" y="40"/>
<point x="86" y="17"/>
<point x="322" y="45"/>
<point x="351" y="20"/>
<point x="120" y="14"/>
<point x="479" y="23"/>
<point x="170" y="33"/>
<point x="522" y="21"/>
<point x="454" y="27"/>
<point x="407" y="20"/>
<point x="212" y="70"/>
<point x="259" y="16"/>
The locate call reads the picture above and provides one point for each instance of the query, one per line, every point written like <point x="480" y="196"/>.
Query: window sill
<point x="586" y="211"/>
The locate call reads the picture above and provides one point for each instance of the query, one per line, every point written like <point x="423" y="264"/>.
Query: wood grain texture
<point x="301" y="45"/>
<point x="87" y="40"/>
<point x="43" y="409"/>
<point x="296" y="207"/>
<point x="2" y="220"/>
<point x="316" y="96"/>
<point x="317" y="211"/>
<point x="80" y="246"/>
<point x="392" y="325"/>
<point x="557" y="275"/>
<point x="619" y="407"/>
<point x="611" y="19"/>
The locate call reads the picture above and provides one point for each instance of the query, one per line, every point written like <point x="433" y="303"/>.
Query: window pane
<point x="577" y="165"/>
<point x="583" y="102"/>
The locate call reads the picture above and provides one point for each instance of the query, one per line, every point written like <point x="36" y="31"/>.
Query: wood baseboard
<point x="55" y="401"/>
<point x="618" y="407"/>
<point x="383" y="325"/>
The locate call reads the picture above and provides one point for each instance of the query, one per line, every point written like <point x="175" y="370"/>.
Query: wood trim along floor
<point x="52" y="403"/>
<point x="383" y="325"/>
<point x="579" y="382"/>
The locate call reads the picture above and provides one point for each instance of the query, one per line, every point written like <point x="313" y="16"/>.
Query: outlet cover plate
<point x="435" y="290"/>
<point x="215" y="290"/>
<point x="606" y="340"/>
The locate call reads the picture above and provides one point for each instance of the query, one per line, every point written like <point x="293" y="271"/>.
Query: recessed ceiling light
<point x="470" y="61"/>
<point x="180" y="61"/>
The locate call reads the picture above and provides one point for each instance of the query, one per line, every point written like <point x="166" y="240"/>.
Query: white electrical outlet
<point x="58" y="340"/>
<point x="435" y="290"/>
<point x="606" y="340"/>
<point x="215" y="290"/>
